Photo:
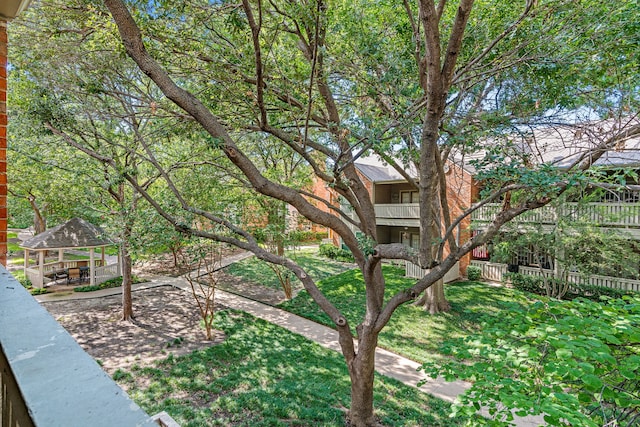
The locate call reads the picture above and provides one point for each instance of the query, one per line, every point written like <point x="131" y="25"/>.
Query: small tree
<point x="205" y="256"/>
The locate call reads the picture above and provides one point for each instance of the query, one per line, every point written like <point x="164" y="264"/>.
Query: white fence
<point x="102" y="274"/>
<point x="494" y="271"/>
<point x="490" y="270"/>
<point x="416" y="272"/>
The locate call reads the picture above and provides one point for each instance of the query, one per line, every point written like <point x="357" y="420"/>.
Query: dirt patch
<point x="165" y="265"/>
<point x="167" y="322"/>
<point x="254" y="291"/>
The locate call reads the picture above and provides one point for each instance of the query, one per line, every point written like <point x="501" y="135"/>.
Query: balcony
<point x="46" y="378"/>
<point x="399" y="214"/>
<point x="600" y="214"/>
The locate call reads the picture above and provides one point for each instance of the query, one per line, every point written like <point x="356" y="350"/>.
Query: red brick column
<point x="3" y="142"/>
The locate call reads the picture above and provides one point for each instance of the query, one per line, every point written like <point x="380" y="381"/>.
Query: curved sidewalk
<point x="387" y="363"/>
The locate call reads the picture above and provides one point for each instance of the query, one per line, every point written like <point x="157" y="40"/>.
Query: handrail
<point x="613" y="214"/>
<point x="44" y="370"/>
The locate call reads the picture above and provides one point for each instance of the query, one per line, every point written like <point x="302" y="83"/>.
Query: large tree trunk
<point x="361" y="372"/>
<point x="39" y="221"/>
<point x="433" y="299"/>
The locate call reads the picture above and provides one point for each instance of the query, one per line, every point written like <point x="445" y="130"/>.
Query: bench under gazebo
<point x="72" y="235"/>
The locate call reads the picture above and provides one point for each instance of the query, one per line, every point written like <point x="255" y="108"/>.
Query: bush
<point x="306" y="236"/>
<point x="333" y="252"/>
<point x="22" y="278"/>
<point x="111" y="283"/>
<point x="474" y="273"/>
<point x="526" y="283"/>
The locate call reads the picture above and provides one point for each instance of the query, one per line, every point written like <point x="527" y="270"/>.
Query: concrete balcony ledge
<point x="46" y="378"/>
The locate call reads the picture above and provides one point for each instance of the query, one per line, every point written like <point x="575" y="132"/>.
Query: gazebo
<point x="73" y="234"/>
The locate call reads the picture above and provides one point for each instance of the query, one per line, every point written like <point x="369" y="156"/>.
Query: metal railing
<point x="46" y="378"/>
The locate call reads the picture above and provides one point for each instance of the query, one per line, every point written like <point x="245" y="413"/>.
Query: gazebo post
<point x="41" y="268"/>
<point x="26" y="258"/>
<point x="92" y="266"/>
<point x="60" y="258"/>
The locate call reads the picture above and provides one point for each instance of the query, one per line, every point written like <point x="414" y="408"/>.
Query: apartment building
<point x="397" y="210"/>
<point x="611" y="209"/>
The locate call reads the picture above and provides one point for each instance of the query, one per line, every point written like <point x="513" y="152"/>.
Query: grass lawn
<point x="12" y="235"/>
<point x="411" y="331"/>
<point x="258" y="271"/>
<point x="264" y="375"/>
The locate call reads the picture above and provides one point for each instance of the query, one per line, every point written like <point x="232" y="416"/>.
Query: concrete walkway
<point x="387" y="363"/>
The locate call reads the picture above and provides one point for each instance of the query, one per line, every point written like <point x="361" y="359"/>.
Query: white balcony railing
<point x="398" y="210"/>
<point x="602" y="214"/>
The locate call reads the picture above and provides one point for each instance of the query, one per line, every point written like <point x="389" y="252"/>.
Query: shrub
<point x="474" y="273"/>
<point x="306" y="236"/>
<point x="20" y="277"/>
<point x="526" y="283"/>
<point x="111" y="283"/>
<point x="334" y="252"/>
<point x="595" y="293"/>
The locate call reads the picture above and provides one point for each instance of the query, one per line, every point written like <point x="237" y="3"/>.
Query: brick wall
<point x="3" y="142"/>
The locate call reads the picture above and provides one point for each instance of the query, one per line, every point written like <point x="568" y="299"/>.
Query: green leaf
<point x="592" y="382"/>
<point x="564" y="353"/>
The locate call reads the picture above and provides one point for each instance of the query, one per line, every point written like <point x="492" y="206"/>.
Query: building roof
<point x="562" y="145"/>
<point x="75" y="233"/>
<point x="559" y="146"/>
<point x="378" y="171"/>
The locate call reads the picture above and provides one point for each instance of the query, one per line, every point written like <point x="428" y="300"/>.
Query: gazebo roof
<point x="75" y="233"/>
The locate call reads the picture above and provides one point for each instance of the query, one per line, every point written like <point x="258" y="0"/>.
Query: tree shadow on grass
<point x="264" y="375"/>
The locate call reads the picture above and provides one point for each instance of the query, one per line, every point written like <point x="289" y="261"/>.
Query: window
<point x="409" y="197"/>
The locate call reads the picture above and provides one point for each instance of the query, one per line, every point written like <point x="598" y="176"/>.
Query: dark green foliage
<point x="333" y="252"/>
<point x="306" y="236"/>
<point x="535" y="284"/>
<point x="575" y="362"/>
<point x="474" y="273"/>
<point x="22" y="278"/>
